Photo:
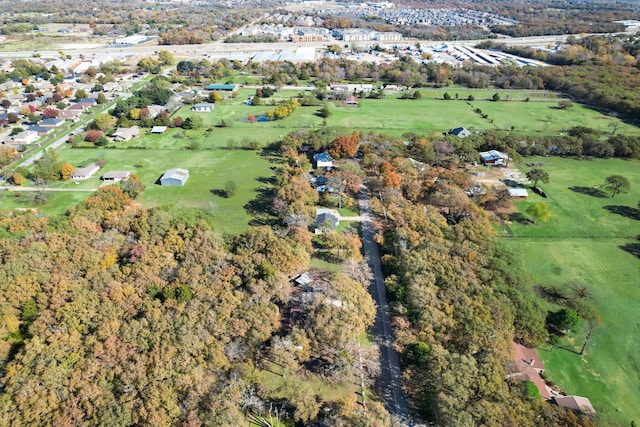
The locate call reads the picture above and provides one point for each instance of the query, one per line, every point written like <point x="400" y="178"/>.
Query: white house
<point x="24" y="138"/>
<point x="85" y="172"/>
<point x="204" y="107"/>
<point x="116" y="176"/>
<point x="125" y="134"/>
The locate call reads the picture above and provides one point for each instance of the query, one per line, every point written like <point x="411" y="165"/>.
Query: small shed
<point x="576" y="404"/>
<point x="304" y="279"/>
<point x="518" y="193"/>
<point x="174" y="177"/>
<point x="351" y="101"/>
<point x="159" y="129"/>
<point x="204" y="107"/>
<point x="323" y="160"/>
<point x="460" y="132"/>
<point x="116" y="176"/>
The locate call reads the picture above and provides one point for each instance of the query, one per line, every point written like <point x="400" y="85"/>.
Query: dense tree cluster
<point x="118" y="315"/>
<point x="578" y="141"/>
<point x="284" y="110"/>
<point x="456" y="298"/>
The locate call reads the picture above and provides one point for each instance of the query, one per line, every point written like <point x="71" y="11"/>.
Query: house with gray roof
<point x="116" y="176"/>
<point x="325" y="218"/>
<point x="125" y="134"/>
<point x="204" y="107"/>
<point x="84" y="172"/>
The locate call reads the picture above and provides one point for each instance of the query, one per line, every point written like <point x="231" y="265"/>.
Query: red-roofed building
<point x="530" y="367"/>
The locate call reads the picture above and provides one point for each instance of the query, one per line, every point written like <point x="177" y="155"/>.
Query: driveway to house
<point x="391" y="375"/>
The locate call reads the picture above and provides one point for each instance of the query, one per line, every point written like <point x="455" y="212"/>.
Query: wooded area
<point x="117" y="315"/>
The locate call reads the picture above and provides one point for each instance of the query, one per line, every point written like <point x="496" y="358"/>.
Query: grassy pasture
<point x="430" y="115"/>
<point x="209" y="170"/>
<point x="583" y="244"/>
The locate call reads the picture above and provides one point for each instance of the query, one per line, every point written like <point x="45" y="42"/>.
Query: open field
<point x="430" y="115"/>
<point x="209" y="170"/>
<point x="57" y="202"/>
<point x="583" y="244"/>
<point x="576" y="214"/>
<point x="608" y="373"/>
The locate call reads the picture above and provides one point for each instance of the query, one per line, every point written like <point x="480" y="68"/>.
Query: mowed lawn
<point x="583" y="244"/>
<point x="433" y="116"/>
<point x="580" y="207"/>
<point x="209" y="171"/>
<point x="430" y="115"/>
<point x="608" y="373"/>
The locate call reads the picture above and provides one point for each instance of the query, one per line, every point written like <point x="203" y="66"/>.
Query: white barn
<point x="174" y="177"/>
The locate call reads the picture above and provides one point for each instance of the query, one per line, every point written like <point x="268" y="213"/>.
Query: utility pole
<point x="384" y="211"/>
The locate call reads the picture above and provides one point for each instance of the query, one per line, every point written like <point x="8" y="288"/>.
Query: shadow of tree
<point x="632" y="248"/>
<point x="625" y="211"/>
<point x="219" y="193"/>
<point x="553" y="294"/>
<point x="589" y="191"/>
<point x="261" y="208"/>
<point x="520" y="218"/>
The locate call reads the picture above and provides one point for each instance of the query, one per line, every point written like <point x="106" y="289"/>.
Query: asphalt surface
<point x="390" y="375"/>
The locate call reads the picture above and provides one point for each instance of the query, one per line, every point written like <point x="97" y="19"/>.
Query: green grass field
<point x="430" y="115"/>
<point x="583" y="244"/>
<point x="209" y="170"/>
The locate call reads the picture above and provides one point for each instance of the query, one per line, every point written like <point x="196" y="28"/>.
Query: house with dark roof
<point x="460" y="132"/>
<point x="325" y="218"/>
<point x="80" y="107"/>
<point x="51" y="122"/>
<point x="41" y="130"/>
<point x="205" y="107"/>
<point x="174" y="177"/>
<point x="323" y="160"/>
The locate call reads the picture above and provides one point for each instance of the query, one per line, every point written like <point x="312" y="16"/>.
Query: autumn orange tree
<point x="344" y="146"/>
<point x="66" y="169"/>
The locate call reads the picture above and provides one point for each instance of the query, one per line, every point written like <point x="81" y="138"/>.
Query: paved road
<point x="391" y="375"/>
<point x="84" y="121"/>
<point x="74" y="190"/>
